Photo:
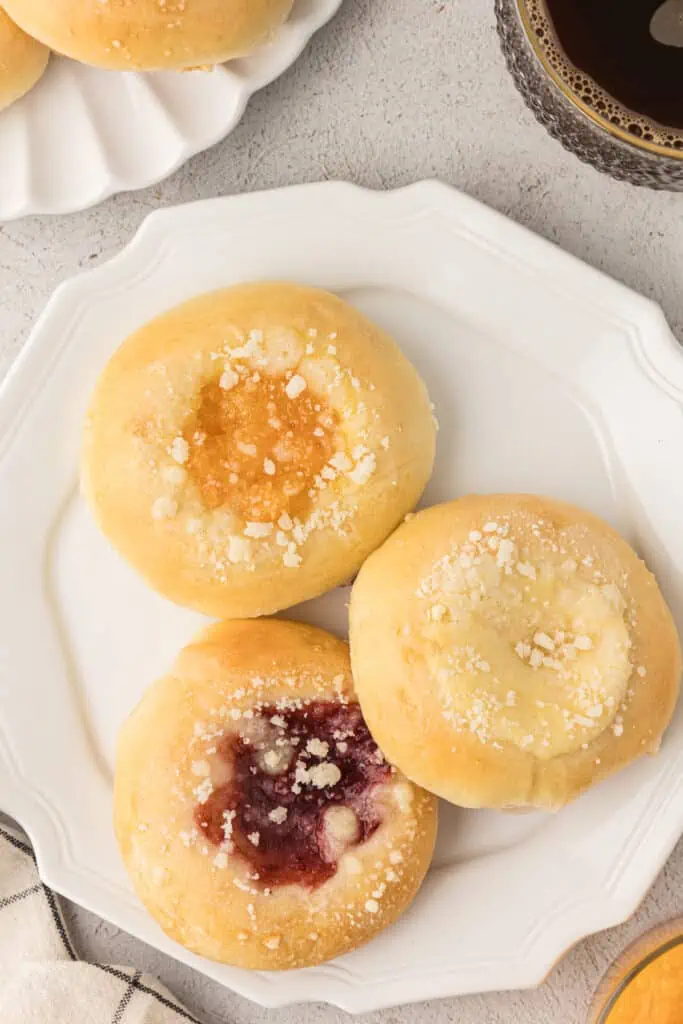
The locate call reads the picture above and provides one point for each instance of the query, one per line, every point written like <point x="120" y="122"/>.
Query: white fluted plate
<point x="546" y="376"/>
<point x="84" y="134"/>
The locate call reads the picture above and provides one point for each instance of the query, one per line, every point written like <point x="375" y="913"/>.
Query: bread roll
<point x="511" y="650"/>
<point x="258" y="821"/>
<point x="148" y="35"/>
<point x="249" y="449"/>
<point x="22" y="61"/>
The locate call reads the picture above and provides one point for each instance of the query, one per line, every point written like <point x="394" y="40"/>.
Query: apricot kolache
<point x="248" y="450"/>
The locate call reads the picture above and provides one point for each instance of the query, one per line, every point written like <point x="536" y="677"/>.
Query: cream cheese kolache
<point x="22" y="61"/>
<point x="511" y="651"/>
<point x="248" y="450"/>
<point x="259" y="822"/>
<point x="150" y="35"/>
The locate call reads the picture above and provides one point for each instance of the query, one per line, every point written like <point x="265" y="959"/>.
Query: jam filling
<point x="236" y="433"/>
<point x="300" y="792"/>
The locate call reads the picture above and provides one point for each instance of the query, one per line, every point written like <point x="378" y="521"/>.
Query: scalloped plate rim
<point x="324" y="11"/>
<point x="662" y="362"/>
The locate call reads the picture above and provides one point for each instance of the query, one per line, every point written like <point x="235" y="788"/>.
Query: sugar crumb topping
<point x="179" y="450"/>
<point x="295" y="386"/>
<point x="164" y="507"/>
<point x="317" y="747"/>
<point x="564" y="621"/>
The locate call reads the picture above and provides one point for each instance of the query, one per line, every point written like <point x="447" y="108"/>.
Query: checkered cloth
<point x="42" y="981"/>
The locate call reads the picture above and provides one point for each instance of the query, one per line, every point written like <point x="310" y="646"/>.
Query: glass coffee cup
<point x="605" y="78"/>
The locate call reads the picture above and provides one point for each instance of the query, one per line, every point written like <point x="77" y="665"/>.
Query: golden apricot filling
<point x="256" y="448"/>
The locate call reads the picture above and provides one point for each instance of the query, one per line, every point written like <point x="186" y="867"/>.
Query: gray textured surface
<point x="392" y="91"/>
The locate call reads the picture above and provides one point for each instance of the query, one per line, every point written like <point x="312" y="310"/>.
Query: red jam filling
<point x="288" y="769"/>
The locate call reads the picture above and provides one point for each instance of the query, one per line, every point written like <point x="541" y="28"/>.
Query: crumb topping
<point x="527" y="638"/>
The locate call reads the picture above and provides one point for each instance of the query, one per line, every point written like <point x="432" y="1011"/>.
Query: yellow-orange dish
<point x="258" y="821"/>
<point x="650" y="993"/>
<point x="249" y="449"/>
<point x="645" y="983"/>
<point x="511" y="650"/>
<point x="148" y="35"/>
<point x="22" y="61"/>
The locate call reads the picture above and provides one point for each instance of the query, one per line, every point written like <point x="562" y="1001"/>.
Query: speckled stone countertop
<point x="390" y="92"/>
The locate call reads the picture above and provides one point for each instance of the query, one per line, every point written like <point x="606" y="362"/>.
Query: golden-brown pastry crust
<point x="249" y="449"/>
<point x="511" y="650"/>
<point x="148" y="35"/>
<point x="22" y="61"/>
<point x="242" y="679"/>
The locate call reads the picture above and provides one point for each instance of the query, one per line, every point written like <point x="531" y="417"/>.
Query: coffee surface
<point x="610" y="57"/>
<point x="611" y="40"/>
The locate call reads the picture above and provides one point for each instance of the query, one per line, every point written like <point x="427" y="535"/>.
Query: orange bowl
<point x="634" y="971"/>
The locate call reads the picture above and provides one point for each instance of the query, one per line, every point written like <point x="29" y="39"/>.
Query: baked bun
<point x="149" y="35"/>
<point x="510" y="651"/>
<point x="22" y="61"/>
<point x="258" y="821"/>
<point x="249" y="449"/>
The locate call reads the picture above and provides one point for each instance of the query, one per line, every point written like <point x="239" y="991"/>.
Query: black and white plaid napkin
<point x="42" y="981"/>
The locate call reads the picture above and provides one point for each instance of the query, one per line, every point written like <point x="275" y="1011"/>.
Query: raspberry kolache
<point x="259" y="822"/>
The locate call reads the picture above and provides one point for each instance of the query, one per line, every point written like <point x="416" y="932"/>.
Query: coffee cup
<point x="604" y="77"/>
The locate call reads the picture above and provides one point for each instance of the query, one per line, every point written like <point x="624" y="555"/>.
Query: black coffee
<point x="612" y="42"/>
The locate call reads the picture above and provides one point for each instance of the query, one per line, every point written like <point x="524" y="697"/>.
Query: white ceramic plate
<point x="546" y="376"/>
<point x="83" y="134"/>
